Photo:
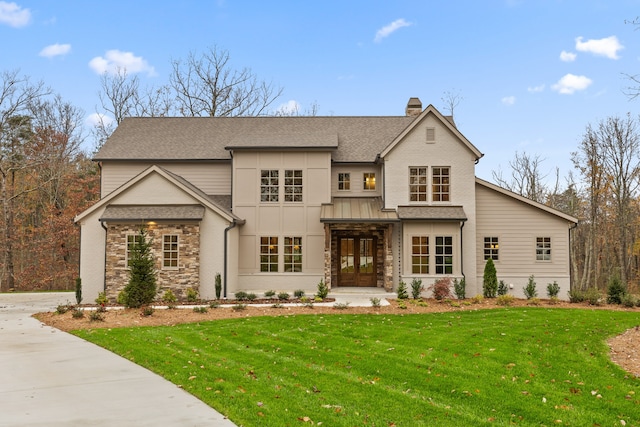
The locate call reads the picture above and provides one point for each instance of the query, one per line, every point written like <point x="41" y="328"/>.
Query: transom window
<point x="293" y="185"/>
<point x="440" y="184"/>
<point x="344" y="181"/>
<point x="420" y="255"/>
<point x="132" y="240"/>
<point x="491" y="248"/>
<point x="543" y="248"/>
<point x="418" y="184"/>
<point x="269" y="254"/>
<point x="269" y="185"/>
<point x="293" y="254"/>
<point x="170" y="251"/>
<point x="369" y="181"/>
<point x="444" y="255"/>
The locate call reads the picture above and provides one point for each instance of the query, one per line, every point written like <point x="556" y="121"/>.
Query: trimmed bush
<point x="553" y="289"/>
<point x="298" y="293"/>
<point x="283" y="296"/>
<point x="441" y="289"/>
<point x="192" y="295"/>
<point x="489" y="280"/>
<point x="218" y="285"/>
<point x="78" y="290"/>
<point x="416" y="288"/>
<point x="460" y="288"/>
<point x="241" y="296"/>
<point x="530" y="289"/>
<point x="503" y="289"/>
<point x="323" y="289"/>
<point x="616" y="290"/>
<point x="270" y="294"/>
<point x="576" y="296"/>
<point x="402" y="290"/>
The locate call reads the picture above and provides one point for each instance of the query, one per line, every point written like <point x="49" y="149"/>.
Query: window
<point x="444" y="255"/>
<point x="269" y="186"/>
<point x="293" y="185"/>
<point x="418" y="184"/>
<point x="344" y="181"/>
<point x="269" y="254"/>
<point x="170" y="251"/>
<point x="369" y="182"/>
<point x="420" y="255"/>
<point x="440" y="184"/>
<point x="491" y="248"/>
<point x="132" y="240"/>
<point x="293" y="254"/>
<point x="543" y="248"/>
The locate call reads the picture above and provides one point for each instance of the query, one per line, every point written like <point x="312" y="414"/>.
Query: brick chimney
<point x="414" y="107"/>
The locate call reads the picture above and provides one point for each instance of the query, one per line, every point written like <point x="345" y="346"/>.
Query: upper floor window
<point x="269" y="185"/>
<point x="543" y="248"/>
<point x="444" y="255"/>
<point x="269" y="254"/>
<point x="418" y="184"/>
<point x="440" y="184"/>
<point x="344" y="181"/>
<point x="491" y="248"/>
<point x="369" y="181"/>
<point x="170" y="251"/>
<point x="293" y="185"/>
<point x="420" y="255"/>
<point x="293" y="254"/>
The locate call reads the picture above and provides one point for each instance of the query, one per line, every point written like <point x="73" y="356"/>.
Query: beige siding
<point x="212" y="178"/>
<point x="517" y="225"/>
<point x="281" y="219"/>
<point x="356" y="173"/>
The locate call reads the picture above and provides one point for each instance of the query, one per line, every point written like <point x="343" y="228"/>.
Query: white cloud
<point x="535" y="89"/>
<point x="13" y="15"/>
<point x="55" y="50"/>
<point x="96" y="119"/>
<point x="509" y="100"/>
<point x="391" y="28"/>
<point x="571" y="83"/>
<point x="115" y="61"/>
<point x="567" y="56"/>
<point x="608" y="46"/>
<point x="288" y="108"/>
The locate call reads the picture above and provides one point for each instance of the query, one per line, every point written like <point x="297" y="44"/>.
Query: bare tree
<point x="526" y="177"/>
<point x="206" y="85"/>
<point x="451" y="101"/>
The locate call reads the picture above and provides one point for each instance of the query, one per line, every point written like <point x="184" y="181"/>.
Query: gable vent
<point x="431" y="134"/>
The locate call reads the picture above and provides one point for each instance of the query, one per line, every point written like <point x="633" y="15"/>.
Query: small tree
<point x="441" y="289"/>
<point x="218" y="285"/>
<point x="141" y="289"/>
<point x="78" y="290"/>
<point x="416" y="288"/>
<point x="530" y="289"/>
<point x="402" y="290"/>
<point x="490" y="280"/>
<point x="615" y="290"/>
<point x="459" y="288"/>
<point x="503" y="289"/>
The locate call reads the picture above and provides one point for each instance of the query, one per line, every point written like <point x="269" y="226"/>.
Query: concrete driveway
<point x="51" y="378"/>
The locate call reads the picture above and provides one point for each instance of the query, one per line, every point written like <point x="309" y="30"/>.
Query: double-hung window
<point x="269" y="254"/>
<point x="418" y="184"/>
<point x="293" y="185"/>
<point x="269" y="185"/>
<point x="293" y="254"/>
<point x="543" y="248"/>
<point x="170" y="251"/>
<point x="369" y="181"/>
<point x="420" y="255"/>
<point x="444" y="255"/>
<point x="344" y="181"/>
<point x="440" y="183"/>
<point x="491" y="248"/>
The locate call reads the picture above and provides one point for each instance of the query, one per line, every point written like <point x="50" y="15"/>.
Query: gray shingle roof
<point x="152" y="212"/>
<point x="352" y="139"/>
<point x="432" y="213"/>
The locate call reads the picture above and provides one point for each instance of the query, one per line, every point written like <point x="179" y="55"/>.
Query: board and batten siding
<point x="212" y="178"/>
<point x="517" y="224"/>
<point x="356" y="175"/>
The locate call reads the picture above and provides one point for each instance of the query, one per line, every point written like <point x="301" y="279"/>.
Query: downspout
<point x="571" y="255"/>
<point x="226" y="255"/>
<point x="462" y="251"/>
<point x="104" y="273"/>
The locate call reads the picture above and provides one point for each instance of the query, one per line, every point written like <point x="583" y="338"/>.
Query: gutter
<point x="570" y="257"/>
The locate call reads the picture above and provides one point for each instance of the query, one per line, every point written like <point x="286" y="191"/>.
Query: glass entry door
<point x="357" y="257"/>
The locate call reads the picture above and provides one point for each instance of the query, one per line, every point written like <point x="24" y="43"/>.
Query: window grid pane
<point x="491" y="248"/>
<point x="132" y="239"/>
<point x="344" y="181"/>
<point x="543" y="248"/>
<point x="293" y="185"/>
<point x="369" y="181"/>
<point x="293" y="254"/>
<point x="269" y="186"/>
<point x="170" y="251"/>
<point x="444" y="255"/>
<point x="269" y="254"/>
<point x="420" y="255"/>
<point x="440" y="184"/>
<point x="418" y="184"/>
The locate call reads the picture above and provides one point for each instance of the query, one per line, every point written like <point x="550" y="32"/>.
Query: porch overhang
<point x="139" y="213"/>
<point x="431" y="213"/>
<point x="357" y="210"/>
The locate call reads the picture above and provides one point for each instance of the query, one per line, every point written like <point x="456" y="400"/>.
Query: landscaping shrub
<point x="147" y="310"/>
<point x="200" y="309"/>
<point x="503" y="289"/>
<point x="251" y="296"/>
<point x="490" y="280"/>
<point x="270" y="294"/>
<point x="553" y="289"/>
<point x="628" y="301"/>
<point x="96" y="316"/>
<point x="102" y="299"/>
<point x="615" y="290"/>
<point x="298" y="293"/>
<point x="62" y="308"/>
<point x="218" y="285"/>
<point x="530" y="289"/>
<point x="121" y="298"/>
<point x="441" y="289"/>
<point x="576" y="295"/>
<point x="375" y="302"/>
<point x="78" y="290"/>
<point x="416" y="288"/>
<point x="402" y="290"/>
<point x="341" y="305"/>
<point x="533" y="301"/>
<point x="169" y="297"/>
<point x="141" y="289"/>
<point x="241" y="296"/>
<point x="477" y="299"/>
<point x="460" y="288"/>
<point x="283" y="296"/>
<point x="505" y="300"/>
<point x="77" y="313"/>
<point x="238" y="307"/>
<point x="192" y="295"/>
<point x="214" y="304"/>
<point x="323" y="289"/>
<point x="593" y="296"/>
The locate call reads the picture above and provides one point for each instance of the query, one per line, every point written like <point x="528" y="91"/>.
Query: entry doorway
<point x="357" y="258"/>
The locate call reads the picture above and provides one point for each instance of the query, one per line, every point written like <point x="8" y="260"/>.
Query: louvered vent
<point x="431" y="134"/>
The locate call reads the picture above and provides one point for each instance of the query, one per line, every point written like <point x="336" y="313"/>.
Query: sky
<point x="530" y="75"/>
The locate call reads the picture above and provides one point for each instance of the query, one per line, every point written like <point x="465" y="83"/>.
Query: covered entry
<point x="358" y="243"/>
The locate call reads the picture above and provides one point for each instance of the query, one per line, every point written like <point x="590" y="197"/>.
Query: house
<point x="281" y="203"/>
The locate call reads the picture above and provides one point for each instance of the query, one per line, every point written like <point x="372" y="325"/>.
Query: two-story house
<point x="281" y="203"/>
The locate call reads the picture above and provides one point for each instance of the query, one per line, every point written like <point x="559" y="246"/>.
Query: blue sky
<point x="532" y="74"/>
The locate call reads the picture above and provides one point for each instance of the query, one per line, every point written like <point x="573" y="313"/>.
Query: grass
<point x="512" y="366"/>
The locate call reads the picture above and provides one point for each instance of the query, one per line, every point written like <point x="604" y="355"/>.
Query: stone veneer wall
<point x="177" y="279"/>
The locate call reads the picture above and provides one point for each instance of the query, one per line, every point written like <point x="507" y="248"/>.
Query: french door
<point x="357" y="257"/>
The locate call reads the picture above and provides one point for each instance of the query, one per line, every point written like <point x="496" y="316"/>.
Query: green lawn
<point x="512" y="366"/>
